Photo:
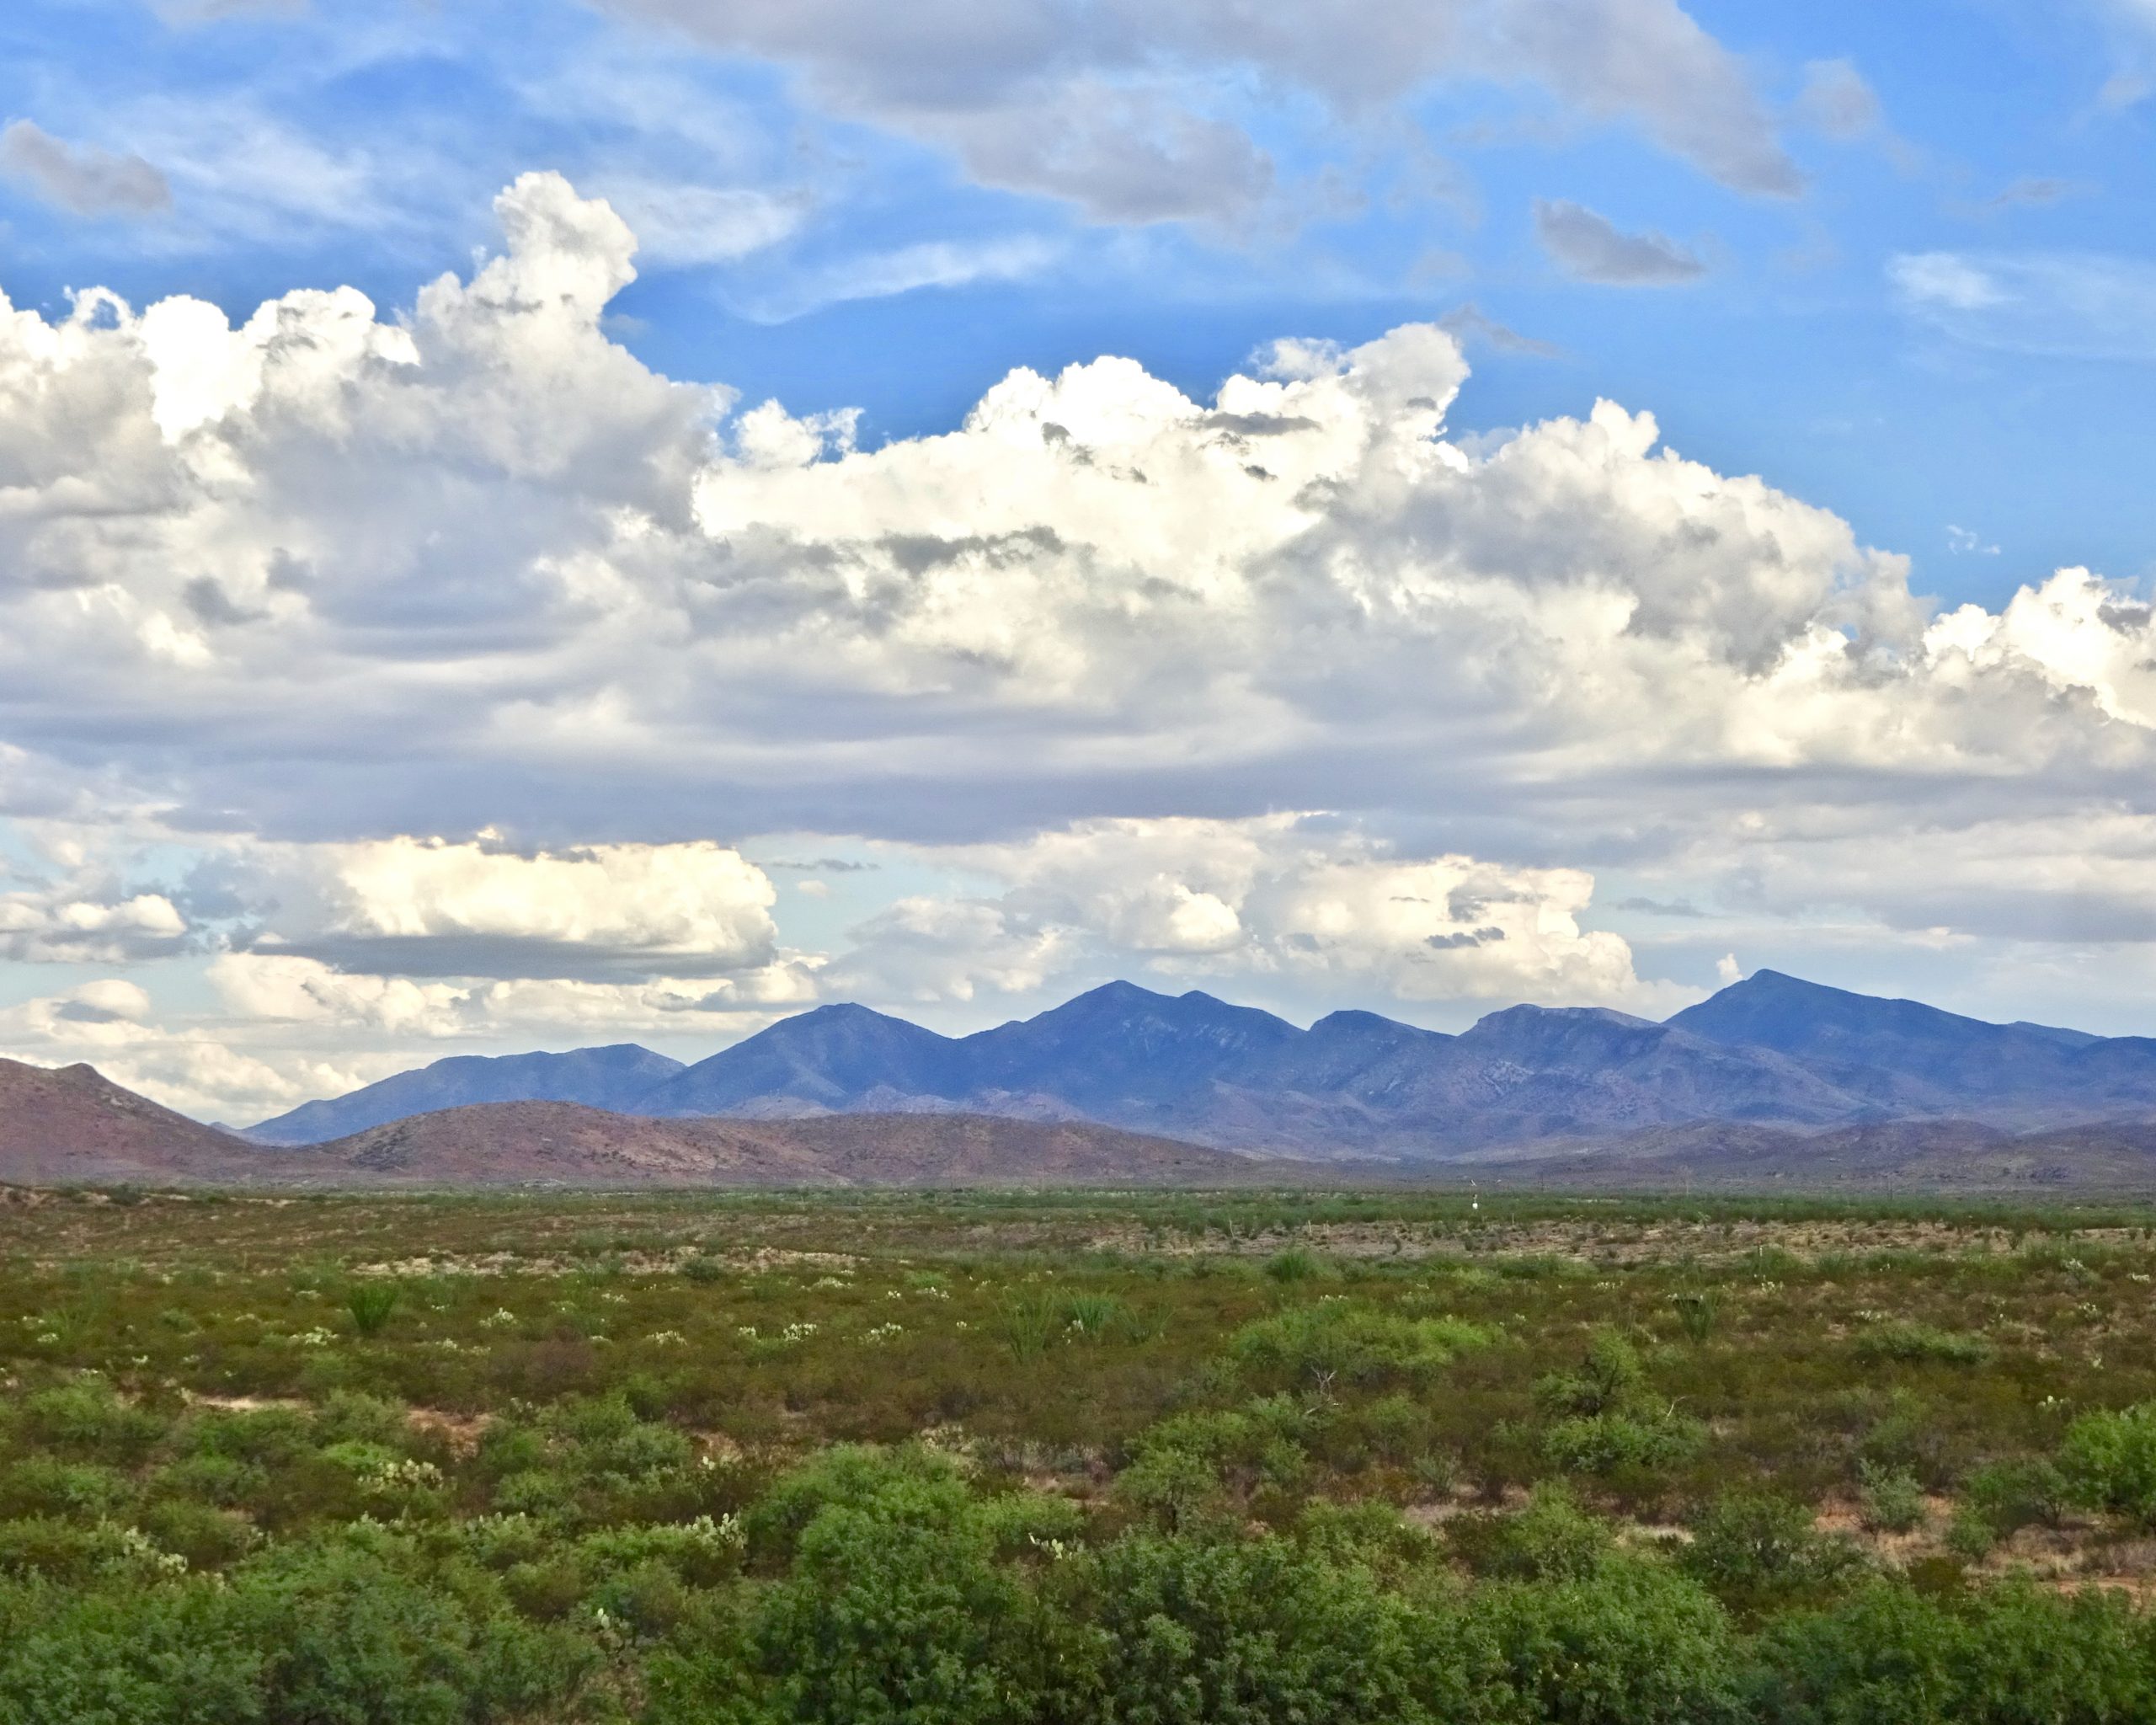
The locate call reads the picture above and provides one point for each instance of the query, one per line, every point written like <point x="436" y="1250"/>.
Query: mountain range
<point x="1770" y="1052"/>
<point x="614" y="1078"/>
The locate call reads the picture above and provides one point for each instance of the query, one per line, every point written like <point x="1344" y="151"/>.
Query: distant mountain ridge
<point x="1769" y="1051"/>
<point x="614" y="1078"/>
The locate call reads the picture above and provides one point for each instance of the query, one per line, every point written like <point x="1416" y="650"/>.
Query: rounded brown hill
<point x="70" y="1125"/>
<point x="515" y="1143"/>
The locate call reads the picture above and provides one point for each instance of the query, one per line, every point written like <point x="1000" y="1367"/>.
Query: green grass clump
<point x="1909" y="1343"/>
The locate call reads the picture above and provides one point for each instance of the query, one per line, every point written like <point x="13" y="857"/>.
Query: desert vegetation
<point x="1141" y="1457"/>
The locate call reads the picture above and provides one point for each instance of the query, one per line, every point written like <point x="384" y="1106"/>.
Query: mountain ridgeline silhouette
<point x="615" y="1079"/>
<point x="1770" y="1052"/>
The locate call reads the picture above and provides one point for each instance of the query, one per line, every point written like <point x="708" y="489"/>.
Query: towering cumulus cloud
<point x="438" y="675"/>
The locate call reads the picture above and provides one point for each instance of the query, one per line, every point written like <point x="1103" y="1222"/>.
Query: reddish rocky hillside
<point x="72" y="1127"/>
<point x="497" y="1144"/>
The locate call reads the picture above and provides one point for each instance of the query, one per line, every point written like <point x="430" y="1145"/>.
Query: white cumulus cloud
<point x="329" y="594"/>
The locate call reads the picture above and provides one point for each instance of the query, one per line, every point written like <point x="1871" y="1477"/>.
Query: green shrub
<point x="1970" y="1536"/>
<point x="645" y="1601"/>
<point x="264" y="1436"/>
<point x="2011" y="1495"/>
<point x="1172" y="1485"/>
<point x="1602" y="1419"/>
<point x="2009" y="1655"/>
<point x="348" y="1417"/>
<point x="601" y="1442"/>
<point x="82" y="1490"/>
<point x="1369" y="1532"/>
<point x="1185" y="1465"/>
<point x="1298" y="1263"/>
<point x="705" y="1672"/>
<point x="843" y="1474"/>
<point x="545" y="1590"/>
<point x="1552" y="1539"/>
<point x="1397" y="1427"/>
<point x="2108" y="1462"/>
<point x="163" y="1656"/>
<point x="1345" y="1341"/>
<point x="1202" y="1628"/>
<point x="87" y="1420"/>
<point x="1892" y="1499"/>
<point x="347" y="1638"/>
<point x="49" y="1548"/>
<point x="893" y="1608"/>
<point x="1649" y="1441"/>
<point x="1903" y="1433"/>
<point x="1906" y="1342"/>
<point x="1609" y="1379"/>
<point x="224" y="1481"/>
<point x="1755" y="1548"/>
<point x="1633" y="1644"/>
<point x="702" y="1552"/>
<point x="207" y="1538"/>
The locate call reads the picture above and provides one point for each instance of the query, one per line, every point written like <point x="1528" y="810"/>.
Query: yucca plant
<point x="1696" y="1310"/>
<point x="1027" y="1323"/>
<point x="372" y="1304"/>
<point x="1090" y="1315"/>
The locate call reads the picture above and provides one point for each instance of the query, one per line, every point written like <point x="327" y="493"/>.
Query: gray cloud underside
<point x="1121" y="106"/>
<point x="1590" y="247"/>
<point x="80" y="177"/>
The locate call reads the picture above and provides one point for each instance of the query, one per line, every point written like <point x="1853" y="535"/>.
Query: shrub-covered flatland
<point x="1142" y="1457"/>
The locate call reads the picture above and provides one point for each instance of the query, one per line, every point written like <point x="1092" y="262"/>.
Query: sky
<point x="528" y="526"/>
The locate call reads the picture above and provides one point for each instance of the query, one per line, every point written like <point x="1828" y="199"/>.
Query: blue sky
<point x="480" y="665"/>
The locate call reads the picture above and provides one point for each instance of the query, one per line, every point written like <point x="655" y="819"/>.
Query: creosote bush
<point x="2108" y="1462"/>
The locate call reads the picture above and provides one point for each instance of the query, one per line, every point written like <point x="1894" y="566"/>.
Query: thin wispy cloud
<point x="2067" y="304"/>
<point x="1837" y="101"/>
<point x="686" y="226"/>
<point x="930" y="265"/>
